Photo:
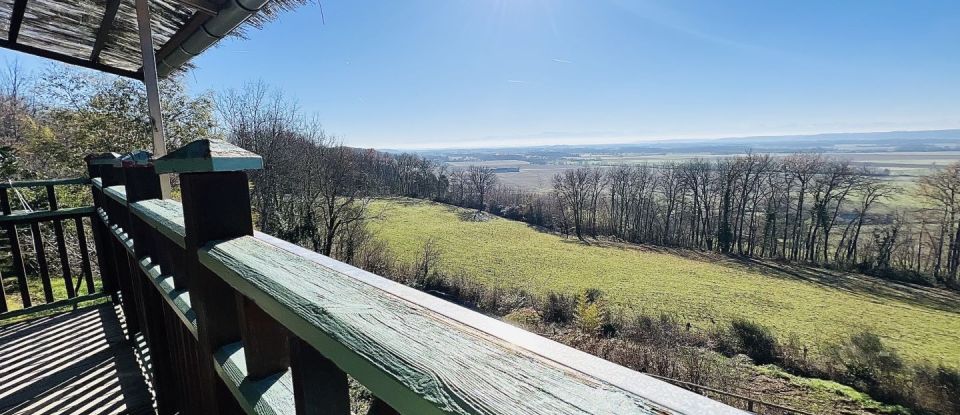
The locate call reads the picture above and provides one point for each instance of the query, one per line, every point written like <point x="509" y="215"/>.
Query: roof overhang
<point x="102" y="34"/>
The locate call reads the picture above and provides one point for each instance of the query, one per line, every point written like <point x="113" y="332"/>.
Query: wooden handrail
<point x="44" y="183"/>
<point x="281" y="327"/>
<point x="25" y="217"/>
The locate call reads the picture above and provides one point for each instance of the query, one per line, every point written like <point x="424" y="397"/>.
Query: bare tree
<point x="481" y="180"/>
<point x="942" y="190"/>
<point x="572" y="190"/>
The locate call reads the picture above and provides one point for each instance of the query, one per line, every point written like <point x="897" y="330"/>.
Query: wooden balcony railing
<point x="239" y="321"/>
<point x="23" y="268"/>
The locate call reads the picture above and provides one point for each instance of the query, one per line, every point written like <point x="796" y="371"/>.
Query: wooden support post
<point x="112" y="175"/>
<point x="151" y="84"/>
<point x="61" y="244"/>
<point x="216" y="206"/>
<point x="100" y="235"/>
<point x="142" y="183"/>
<point x="212" y="210"/>
<point x="319" y="386"/>
<point x="18" y="268"/>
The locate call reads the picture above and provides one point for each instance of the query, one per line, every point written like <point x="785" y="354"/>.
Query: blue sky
<point x="441" y="73"/>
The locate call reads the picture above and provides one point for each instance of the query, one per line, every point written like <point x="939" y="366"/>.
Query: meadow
<point x="817" y="307"/>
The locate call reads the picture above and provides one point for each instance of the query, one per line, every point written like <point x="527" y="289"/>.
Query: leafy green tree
<point x="81" y="112"/>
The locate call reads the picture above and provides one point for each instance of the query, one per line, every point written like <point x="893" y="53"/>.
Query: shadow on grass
<point x="917" y="295"/>
<point x="853" y="283"/>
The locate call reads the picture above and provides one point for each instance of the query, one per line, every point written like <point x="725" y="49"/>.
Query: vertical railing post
<point x="142" y="183"/>
<point x="42" y="262"/>
<point x="216" y="206"/>
<point x="319" y="386"/>
<point x="61" y="243"/>
<point x="101" y="241"/>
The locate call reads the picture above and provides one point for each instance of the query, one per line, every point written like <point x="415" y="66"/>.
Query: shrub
<point x="664" y="331"/>
<point x="868" y="364"/>
<point x="867" y="359"/>
<point x="591" y="313"/>
<point x="938" y="388"/>
<point x="754" y="340"/>
<point x="558" y="308"/>
<point x="588" y="316"/>
<point x="524" y="317"/>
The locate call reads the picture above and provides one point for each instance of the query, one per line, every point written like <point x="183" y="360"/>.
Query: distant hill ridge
<point x="886" y="141"/>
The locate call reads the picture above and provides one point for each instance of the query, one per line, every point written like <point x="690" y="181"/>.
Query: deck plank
<point x="76" y="362"/>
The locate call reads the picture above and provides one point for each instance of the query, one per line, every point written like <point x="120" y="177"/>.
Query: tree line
<point x="807" y="208"/>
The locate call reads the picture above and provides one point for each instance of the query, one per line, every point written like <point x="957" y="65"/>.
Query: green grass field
<point x="817" y="306"/>
<point x="35" y="288"/>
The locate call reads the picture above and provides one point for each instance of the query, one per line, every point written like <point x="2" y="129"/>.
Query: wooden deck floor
<point x="72" y="363"/>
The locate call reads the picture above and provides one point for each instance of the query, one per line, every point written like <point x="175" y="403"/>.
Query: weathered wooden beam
<point x="16" y="20"/>
<point x="151" y="84"/>
<point x="420" y="354"/>
<point x="414" y="360"/>
<point x="70" y="59"/>
<point x="106" y="25"/>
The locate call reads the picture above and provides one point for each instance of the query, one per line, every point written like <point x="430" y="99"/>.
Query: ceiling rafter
<point x="70" y="59"/>
<point x="106" y="25"/>
<point x="16" y="20"/>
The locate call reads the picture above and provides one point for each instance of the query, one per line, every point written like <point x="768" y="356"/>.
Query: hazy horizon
<point x="479" y="146"/>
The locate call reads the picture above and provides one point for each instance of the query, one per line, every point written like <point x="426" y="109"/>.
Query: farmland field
<point x="903" y="167"/>
<point x="819" y="307"/>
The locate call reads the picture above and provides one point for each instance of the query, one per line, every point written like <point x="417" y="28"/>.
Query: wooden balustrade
<point x="77" y="287"/>
<point x="239" y="321"/>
